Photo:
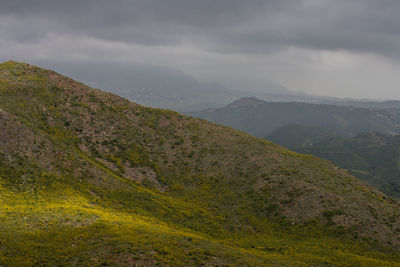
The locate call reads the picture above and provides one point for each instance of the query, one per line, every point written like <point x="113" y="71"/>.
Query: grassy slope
<point x="371" y="157"/>
<point x="88" y="177"/>
<point x="293" y="136"/>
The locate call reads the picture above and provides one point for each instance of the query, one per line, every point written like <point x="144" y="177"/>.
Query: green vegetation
<point x="372" y="157"/>
<point x="89" y="178"/>
<point x="292" y="136"/>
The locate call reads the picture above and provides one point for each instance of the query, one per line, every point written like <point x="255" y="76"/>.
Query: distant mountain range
<point x="388" y="104"/>
<point x="164" y="87"/>
<point x="261" y="118"/>
<point x="88" y="178"/>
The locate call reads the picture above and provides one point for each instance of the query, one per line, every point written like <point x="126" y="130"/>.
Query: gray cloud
<point x="297" y="42"/>
<point x="220" y="25"/>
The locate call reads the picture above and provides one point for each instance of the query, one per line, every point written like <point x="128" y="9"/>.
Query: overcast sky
<point x="345" y="48"/>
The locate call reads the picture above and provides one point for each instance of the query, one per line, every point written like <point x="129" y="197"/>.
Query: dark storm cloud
<point x="219" y="25"/>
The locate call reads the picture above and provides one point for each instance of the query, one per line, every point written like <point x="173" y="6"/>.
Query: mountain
<point x="150" y="85"/>
<point x="373" y="157"/>
<point x="261" y="118"/>
<point x="90" y="178"/>
<point x="387" y="104"/>
<point x="165" y="87"/>
<point x="162" y="87"/>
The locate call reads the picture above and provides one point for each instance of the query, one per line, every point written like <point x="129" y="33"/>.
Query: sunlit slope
<point x="90" y="178"/>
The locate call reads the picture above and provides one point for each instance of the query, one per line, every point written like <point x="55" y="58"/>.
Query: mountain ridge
<point x="157" y="86"/>
<point x="83" y="173"/>
<point x="265" y="117"/>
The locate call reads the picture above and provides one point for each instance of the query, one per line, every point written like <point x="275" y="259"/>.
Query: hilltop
<point x="90" y="178"/>
<point x="245" y="102"/>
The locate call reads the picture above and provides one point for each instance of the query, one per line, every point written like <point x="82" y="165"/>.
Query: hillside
<point x="372" y="157"/>
<point x="265" y="117"/>
<point x="295" y="136"/>
<point x="89" y="178"/>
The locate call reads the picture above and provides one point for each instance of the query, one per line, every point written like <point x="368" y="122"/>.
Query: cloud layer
<point x="246" y="41"/>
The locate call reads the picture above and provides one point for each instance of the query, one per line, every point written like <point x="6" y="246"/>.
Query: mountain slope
<point x="265" y="117"/>
<point x="89" y="178"/>
<point x="294" y="136"/>
<point x="372" y="157"/>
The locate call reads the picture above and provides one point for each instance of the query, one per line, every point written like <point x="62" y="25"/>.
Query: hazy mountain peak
<point x="246" y="101"/>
